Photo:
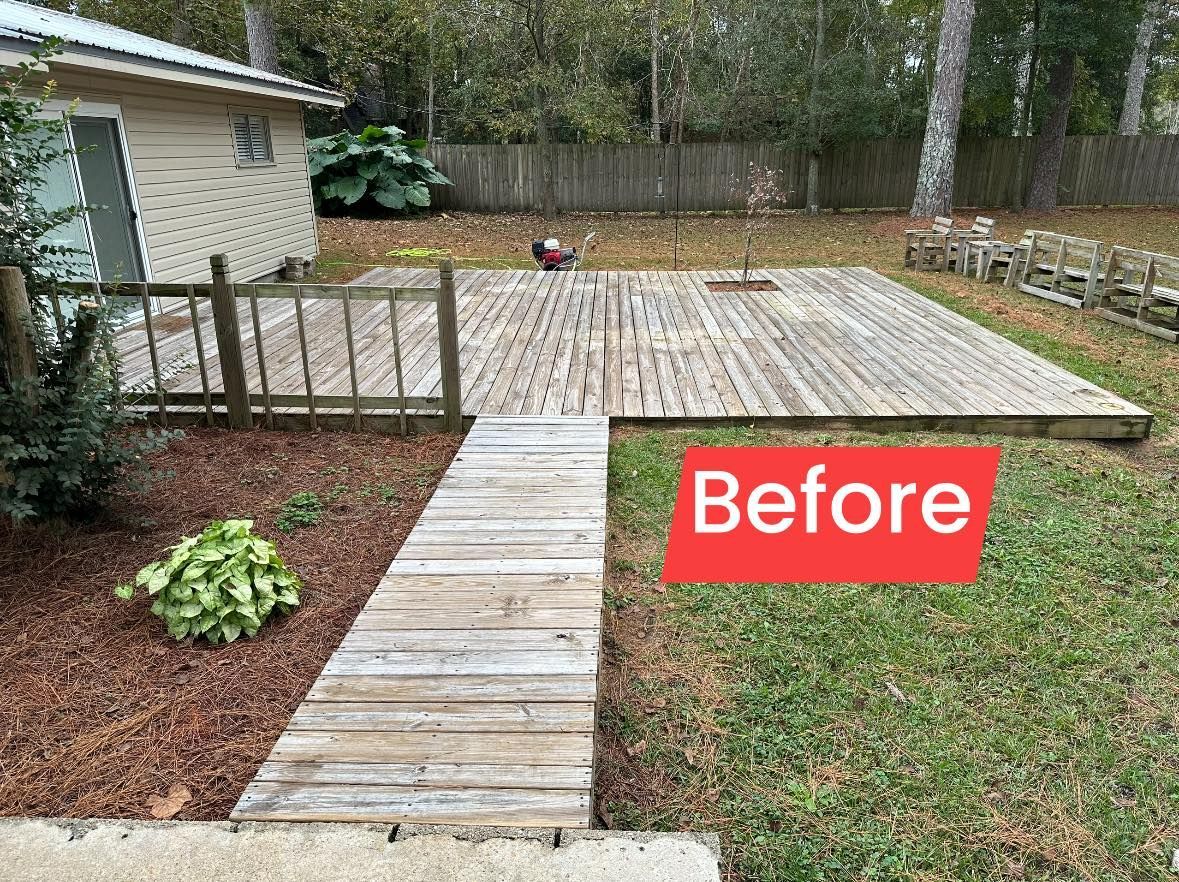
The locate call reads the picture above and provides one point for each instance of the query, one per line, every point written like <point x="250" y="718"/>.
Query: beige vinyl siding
<point x="194" y="200"/>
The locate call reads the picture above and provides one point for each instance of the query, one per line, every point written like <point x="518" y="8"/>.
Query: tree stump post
<point x="20" y="350"/>
<point x="229" y="345"/>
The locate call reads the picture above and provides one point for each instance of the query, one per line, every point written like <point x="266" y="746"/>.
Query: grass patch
<point x="1025" y="726"/>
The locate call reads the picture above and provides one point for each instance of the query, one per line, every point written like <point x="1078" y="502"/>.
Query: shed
<point x="190" y="154"/>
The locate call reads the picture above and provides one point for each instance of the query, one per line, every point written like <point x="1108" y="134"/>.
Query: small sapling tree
<point x="762" y="197"/>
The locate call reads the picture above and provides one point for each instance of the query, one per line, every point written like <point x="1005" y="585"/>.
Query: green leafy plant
<point x="376" y="169"/>
<point x="65" y="441"/>
<point x="301" y="510"/>
<point x="219" y="585"/>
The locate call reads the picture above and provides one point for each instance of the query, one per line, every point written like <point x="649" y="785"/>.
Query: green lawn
<point x="1034" y="728"/>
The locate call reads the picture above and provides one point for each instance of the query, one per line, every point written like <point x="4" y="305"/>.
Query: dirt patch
<point x="751" y="285"/>
<point x="103" y="710"/>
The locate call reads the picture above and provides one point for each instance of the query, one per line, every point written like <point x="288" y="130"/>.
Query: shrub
<point x="219" y="585"/>
<point x="301" y="510"/>
<point x="64" y="437"/>
<point x="375" y="169"/>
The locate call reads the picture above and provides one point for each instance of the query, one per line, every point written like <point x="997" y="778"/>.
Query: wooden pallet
<point x="465" y="692"/>
<point x="830" y="348"/>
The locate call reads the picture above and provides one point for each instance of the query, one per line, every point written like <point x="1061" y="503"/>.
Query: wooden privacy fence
<point x="240" y="403"/>
<point x="1097" y="170"/>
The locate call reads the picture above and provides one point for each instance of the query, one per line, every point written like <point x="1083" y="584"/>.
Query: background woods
<point x="804" y="73"/>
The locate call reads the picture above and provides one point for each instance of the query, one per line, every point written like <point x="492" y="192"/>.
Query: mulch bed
<point x="101" y="709"/>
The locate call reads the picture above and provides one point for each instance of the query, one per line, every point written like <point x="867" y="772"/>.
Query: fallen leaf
<point x="638" y="748"/>
<point x="660" y="588"/>
<point x="604" y="815"/>
<point x="165" y="807"/>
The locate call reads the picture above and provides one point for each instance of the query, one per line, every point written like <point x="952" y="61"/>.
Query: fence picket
<point x="261" y="359"/>
<point x="351" y="356"/>
<point x="200" y="354"/>
<point x="397" y="360"/>
<point x="155" y="358"/>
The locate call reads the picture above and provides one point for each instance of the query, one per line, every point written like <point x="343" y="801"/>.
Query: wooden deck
<point x="831" y="347"/>
<point x="465" y="691"/>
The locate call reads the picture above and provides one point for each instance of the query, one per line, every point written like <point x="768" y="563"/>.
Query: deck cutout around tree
<point x="723" y="287"/>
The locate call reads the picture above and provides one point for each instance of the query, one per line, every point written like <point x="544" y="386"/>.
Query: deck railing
<point x="235" y="396"/>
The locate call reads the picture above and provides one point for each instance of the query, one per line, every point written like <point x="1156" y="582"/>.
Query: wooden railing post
<point x="229" y="345"/>
<point x="448" y="348"/>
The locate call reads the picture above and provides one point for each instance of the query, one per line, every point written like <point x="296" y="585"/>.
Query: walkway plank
<point x="465" y="692"/>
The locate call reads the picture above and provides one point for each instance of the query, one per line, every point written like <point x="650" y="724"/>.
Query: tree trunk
<point x="1050" y="150"/>
<point x="181" y="27"/>
<point x="935" y="177"/>
<point x="1024" y="77"/>
<point x="818" y="59"/>
<point x="430" y="85"/>
<point x="656" y="131"/>
<point x="1023" y="132"/>
<point x="687" y="41"/>
<point x="548" y="160"/>
<point x="260" y="35"/>
<point x="1136" y="75"/>
<point x="17" y="346"/>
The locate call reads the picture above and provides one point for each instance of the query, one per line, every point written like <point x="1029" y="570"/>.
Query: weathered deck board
<point x="465" y="691"/>
<point x="831" y="347"/>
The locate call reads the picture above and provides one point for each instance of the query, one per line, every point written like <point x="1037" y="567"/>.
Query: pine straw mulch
<point x="101" y="709"/>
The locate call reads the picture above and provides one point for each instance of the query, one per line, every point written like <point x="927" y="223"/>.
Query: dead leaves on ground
<point x="166" y="807"/>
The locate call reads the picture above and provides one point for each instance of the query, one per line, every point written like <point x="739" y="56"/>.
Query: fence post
<point x="229" y="345"/>
<point x="448" y="348"/>
<point x="20" y="352"/>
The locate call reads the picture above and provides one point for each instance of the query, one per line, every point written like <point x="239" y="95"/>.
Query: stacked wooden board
<point x="465" y="691"/>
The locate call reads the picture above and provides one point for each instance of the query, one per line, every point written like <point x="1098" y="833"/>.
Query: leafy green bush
<point x="64" y="437"/>
<point x="221" y="584"/>
<point x="301" y="510"/>
<point x="376" y="168"/>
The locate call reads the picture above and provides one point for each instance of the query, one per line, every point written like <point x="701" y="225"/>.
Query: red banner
<point x="831" y="514"/>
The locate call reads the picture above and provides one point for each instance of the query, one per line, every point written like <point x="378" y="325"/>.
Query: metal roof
<point x="84" y="36"/>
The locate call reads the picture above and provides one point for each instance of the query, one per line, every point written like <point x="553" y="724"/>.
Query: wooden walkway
<point x="465" y="691"/>
<point x="830" y="347"/>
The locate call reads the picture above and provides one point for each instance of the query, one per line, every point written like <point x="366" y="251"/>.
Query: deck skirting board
<point x="465" y="691"/>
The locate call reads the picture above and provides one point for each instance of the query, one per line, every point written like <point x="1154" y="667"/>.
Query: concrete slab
<point x="61" y="850"/>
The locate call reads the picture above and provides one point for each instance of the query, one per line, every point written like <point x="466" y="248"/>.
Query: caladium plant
<point x="377" y="169"/>
<point x="219" y="585"/>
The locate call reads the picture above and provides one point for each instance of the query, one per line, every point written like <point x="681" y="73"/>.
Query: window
<point x="251" y="139"/>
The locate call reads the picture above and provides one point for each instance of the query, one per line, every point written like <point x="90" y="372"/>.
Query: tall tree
<point x="653" y="26"/>
<point x="181" y="24"/>
<point x="1042" y="195"/>
<point x="818" y="59"/>
<point x="544" y="114"/>
<point x="1136" y="75"/>
<point x="260" y="35"/>
<point x="935" y="177"/>
<point x="1024" y="131"/>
